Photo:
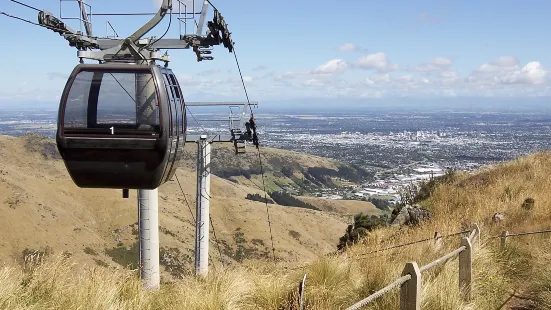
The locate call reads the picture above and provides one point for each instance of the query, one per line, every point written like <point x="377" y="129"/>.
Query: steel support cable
<point x="185" y="199"/>
<point x="193" y="116"/>
<point x="22" y="19"/>
<point x="212" y="5"/>
<point x="242" y="80"/>
<point x="30" y="22"/>
<point x="266" y="202"/>
<point x="259" y="155"/>
<point x="26" y="5"/>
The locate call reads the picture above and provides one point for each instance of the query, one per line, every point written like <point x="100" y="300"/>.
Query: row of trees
<point x="282" y="198"/>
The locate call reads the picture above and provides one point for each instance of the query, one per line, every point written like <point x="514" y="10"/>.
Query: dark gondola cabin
<point x="121" y="125"/>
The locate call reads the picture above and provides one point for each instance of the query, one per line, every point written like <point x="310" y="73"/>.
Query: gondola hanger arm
<point x="167" y="5"/>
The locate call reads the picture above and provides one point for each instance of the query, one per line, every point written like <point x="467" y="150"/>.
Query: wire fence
<point x="505" y="234"/>
<point x="436" y="238"/>
<point x="410" y="282"/>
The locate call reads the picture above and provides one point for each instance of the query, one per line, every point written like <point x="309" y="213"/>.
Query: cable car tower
<point x="122" y="122"/>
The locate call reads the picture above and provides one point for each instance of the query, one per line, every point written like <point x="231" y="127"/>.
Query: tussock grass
<point x="338" y="281"/>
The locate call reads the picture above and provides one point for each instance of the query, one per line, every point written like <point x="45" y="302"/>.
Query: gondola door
<point x="175" y="117"/>
<point x="179" y="106"/>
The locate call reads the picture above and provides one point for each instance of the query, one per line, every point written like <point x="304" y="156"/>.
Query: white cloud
<point x="289" y="75"/>
<point x="378" y="61"/>
<point x="313" y="83"/>
<point x="442" y="62"/>
<point x="328" y="69"/>
<point x="532" y="73"/>
<point x="500" y="64"/>
<point x="210" y="72"/>
<point x="436" y="64"/>
<point x="331" y="67"/>
<point x="405" y="79"/>
<point x="28" y="91"/>
<point x="184" y="78"/>
<point x="348" y="47"/>
<point x="449" y="74"/>
<point x="507" y="70"/>
<point x="378" y="79"/>
<point x="503" y="76"/>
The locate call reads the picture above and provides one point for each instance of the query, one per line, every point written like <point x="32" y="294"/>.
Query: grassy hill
<point x="283" y="169"/>
<point x="333" y="282"/>
<point x="44" y="211"/>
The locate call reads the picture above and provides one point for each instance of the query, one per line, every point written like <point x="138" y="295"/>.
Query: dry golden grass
<point x="74" y="219"/>
<point x="338" y="281"/>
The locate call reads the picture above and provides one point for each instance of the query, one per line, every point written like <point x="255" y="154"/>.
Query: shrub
<point x="286" y="199"/>
<point x="258" y="197"/>
<point x="363" y="224"/>
<point x="528" y="203"/>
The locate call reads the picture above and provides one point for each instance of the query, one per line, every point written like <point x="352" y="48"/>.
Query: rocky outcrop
<point x="498" y="217"/>
<point x="410" y="215"/>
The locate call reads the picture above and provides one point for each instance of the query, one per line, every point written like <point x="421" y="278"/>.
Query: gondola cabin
<point x="121" y="125"/>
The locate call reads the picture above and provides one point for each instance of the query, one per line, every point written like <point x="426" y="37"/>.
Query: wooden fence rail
<point x="410" y="282"/>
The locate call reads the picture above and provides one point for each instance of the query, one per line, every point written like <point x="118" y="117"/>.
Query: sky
<point x="355" y="51"/>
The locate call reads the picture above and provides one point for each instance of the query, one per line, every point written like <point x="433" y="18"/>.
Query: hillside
<point x="333" y="282"/>
<point x="45" y="211"/>
<point x="283" y="169"/>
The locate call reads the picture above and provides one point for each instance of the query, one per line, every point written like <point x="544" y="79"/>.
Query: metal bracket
<point x="134" y="48"/>
<point x="167" y="5"/>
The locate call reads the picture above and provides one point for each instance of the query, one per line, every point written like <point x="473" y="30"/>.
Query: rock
<point x="498" y="217"/>
<point x="411" y="215"/>
<point x="418" y="215"/>
<point x="401" y="218"/>
<point x="528" y="204"/>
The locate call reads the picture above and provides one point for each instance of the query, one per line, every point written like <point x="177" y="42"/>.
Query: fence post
<point x="410" y="291"/>
<point x="504" y="235"/>
<point x="301" y="292"/>
<point x="477" y="234"/>
<point x="437" y="240"/>
<point x="466" y="269"/>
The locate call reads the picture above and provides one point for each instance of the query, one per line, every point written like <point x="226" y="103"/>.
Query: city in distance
<point x="397" y="145"/>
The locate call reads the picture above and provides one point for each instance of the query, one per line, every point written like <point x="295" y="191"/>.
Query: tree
<point x="363" y="224"/>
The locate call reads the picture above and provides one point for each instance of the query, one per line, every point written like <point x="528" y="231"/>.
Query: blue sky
<point x="314" y="49"/>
